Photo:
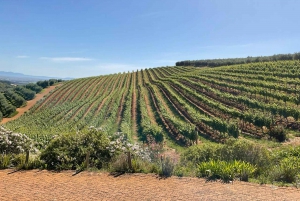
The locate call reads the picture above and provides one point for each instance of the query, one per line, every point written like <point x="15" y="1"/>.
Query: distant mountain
<point x="22" y="78"/>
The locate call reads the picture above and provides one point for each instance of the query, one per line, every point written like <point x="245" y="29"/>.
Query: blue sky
<point x="86" y="38"/>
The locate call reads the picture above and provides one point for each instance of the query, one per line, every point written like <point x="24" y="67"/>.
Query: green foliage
<point x="27" y="94"/>
<point x="167" y="167"/>
<point x="138" y="165"/>
<point x="52" y="82"/>
<point x="34" y="87"/>
<point x="14" y="143"/>
<point x="14" y="98"/>
<point x="20" y="163"/>
<point x="278" y="132"/>
<point x="69" y="151"/>
<point x="233" y="61"/>
<point x="226" y="170"/>
<point x="46" y="83"/>
<point x="4" y="161"/>
<point x="43" y="84"/>
<point x="5" y="85"/>
<point x="287" y="151"/>
<point x="6" y="108"/>
<point x="286" y="170"/>
<point x="241" y="150"/>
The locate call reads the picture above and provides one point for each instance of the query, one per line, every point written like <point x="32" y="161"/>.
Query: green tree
<point x="14" y="98"/>
<point x="27" y="94"/>
<point x="34" y="87"/>
<point x="6" y="108"/>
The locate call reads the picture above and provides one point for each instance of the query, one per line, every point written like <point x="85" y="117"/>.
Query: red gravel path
<point x="44" y="185"/>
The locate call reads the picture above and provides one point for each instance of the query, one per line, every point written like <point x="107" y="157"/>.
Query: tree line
<point x="15" y="96"/>
<point x="234" y="61"/>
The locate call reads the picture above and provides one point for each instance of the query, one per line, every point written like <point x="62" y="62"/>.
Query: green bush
<point x="287" y="170"/>
<point x="242" y="150"/>
<point x="27" y="94"/>
<point x="71" y="151"/>
<point x="245" y="150"/>
<point x="201" y="153"/>
<point x="278" y="132"/>
<point x="6" y="108"/>
<point x="120" y="164"/>
<point x="14" y="98"/>
<point x="167" y="167"/>
<point x="14" y="143"/>
<point x="4" y="161"/>
<point x="34" y="87"/>
<point x="19" y="161"/>
<point x="226" y="171"/>
<point x="181" y="171"/>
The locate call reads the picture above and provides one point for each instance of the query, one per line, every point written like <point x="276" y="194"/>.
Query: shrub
<point x="14" y="98"/>
<point x="245" y="150"/>
<point x="278" y="132"/>
<point x="226" y="170"/>
<point x="27" y="94"/>
<point x="201" y="153"/>
<point x="34" y="87"/>
<point x="129" y="157"/>
<point x="6" y="108"/>
<point x="4" y="161"/>
<point x="71" y="151"/>
<point x="14" y="143"/>
<point x="242" y="150"/>
<point x="138" y="165"/>
<point x="167" y="167"/>
<point x="19" y="161"/>
<point x="287" y="170"/>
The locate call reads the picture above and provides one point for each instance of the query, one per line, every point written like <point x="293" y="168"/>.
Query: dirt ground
<point x="44" y="185"/>
<point x="29" y="104"/>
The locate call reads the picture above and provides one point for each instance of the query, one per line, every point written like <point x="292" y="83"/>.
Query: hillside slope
<point x="178" y="103"/>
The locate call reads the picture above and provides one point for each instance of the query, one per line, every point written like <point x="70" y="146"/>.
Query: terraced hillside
<point x="178" y="103"/>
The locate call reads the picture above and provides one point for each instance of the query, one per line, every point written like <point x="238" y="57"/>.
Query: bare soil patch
<point x="294" y="141"/>
<point x="30" y="103"/>
<point x="44" y="185"/>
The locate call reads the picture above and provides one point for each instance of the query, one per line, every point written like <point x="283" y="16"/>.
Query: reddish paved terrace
<point x="44" y="185"/>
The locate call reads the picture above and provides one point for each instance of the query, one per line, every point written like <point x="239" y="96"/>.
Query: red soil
<point x="44" y="185"/>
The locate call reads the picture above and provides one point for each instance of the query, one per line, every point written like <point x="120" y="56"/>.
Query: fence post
<point x="87" y="160"/>
<point x="129" y="160"/>
<point x="27" y="157"/>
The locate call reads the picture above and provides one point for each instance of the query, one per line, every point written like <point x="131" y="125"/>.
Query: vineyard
<point x="175" y="103"/>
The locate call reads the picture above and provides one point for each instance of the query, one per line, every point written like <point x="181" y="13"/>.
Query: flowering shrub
<point x="128" y="157"/>
<point x="120" y="144"/>
<point x="71" y="151"/>
<point x="14" y="143"/>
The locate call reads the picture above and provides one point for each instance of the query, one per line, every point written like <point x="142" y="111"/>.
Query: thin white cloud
<point x="22" y="57"/>
<point x="66" y="59"/>
<point x="227" y="46"/>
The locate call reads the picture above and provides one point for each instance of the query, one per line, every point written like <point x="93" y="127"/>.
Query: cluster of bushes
<point x="233" y="61"/>
<point x="92" y="148"/>
<point x="46" y="83"/>
<point x="6" y="108"/>
<point x="14" y="151"/>
<point x="12" y="97"/>
<point x="242" y="159"/>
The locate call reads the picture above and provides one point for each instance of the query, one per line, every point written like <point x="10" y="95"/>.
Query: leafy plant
<point x="226" y="171"/>
<point x="69" y="151"/>
<point x="167" y="167"/>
